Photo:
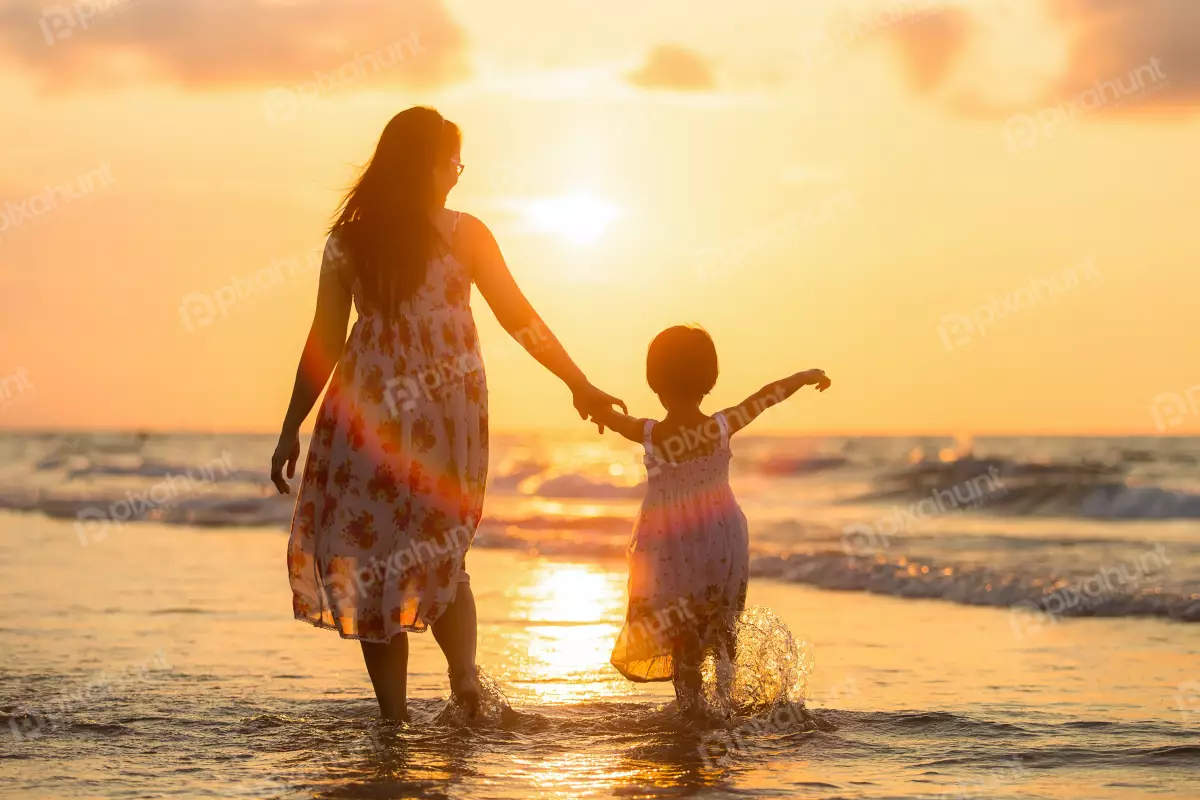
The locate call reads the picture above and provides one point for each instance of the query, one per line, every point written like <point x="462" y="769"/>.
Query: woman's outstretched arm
<point x="518" y="317"/>
<point x="326" y="338"/>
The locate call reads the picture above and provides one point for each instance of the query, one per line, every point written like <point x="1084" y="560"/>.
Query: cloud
<point x="931" y="45"/>
<point x="676" y="68"/>
<point x="231" y="43"/>
<point x="1109" y="38"/>
<point x="1150" y="44"/>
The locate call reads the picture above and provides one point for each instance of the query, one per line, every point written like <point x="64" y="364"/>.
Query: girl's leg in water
<point x="726" y="654"/>
<point x="687" y="657"/>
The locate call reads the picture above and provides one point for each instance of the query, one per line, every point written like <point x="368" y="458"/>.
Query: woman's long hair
<point x="385" y="220"/>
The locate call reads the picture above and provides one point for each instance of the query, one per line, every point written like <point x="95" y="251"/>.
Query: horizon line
<point x="815" y="434"/>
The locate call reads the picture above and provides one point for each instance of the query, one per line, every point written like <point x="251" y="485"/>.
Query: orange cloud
<point x="931" y="44"/>
<point x="1142" y="53"/>
<point x="673" y="67"/>
<point x="1109" y="39"/>
<point x="219" y="43"/>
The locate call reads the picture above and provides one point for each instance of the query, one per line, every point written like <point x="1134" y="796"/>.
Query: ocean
<point x="998" y="617"/>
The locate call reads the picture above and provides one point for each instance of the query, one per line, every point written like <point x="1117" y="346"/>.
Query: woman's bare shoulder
<point x="338" y="253"/>
<point x="471" y="227"/>
<point x="473" y="243"/>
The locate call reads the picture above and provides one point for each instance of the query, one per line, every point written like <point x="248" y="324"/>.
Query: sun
<point x="579" y="217"/>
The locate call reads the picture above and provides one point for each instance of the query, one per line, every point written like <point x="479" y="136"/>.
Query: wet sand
<point x="163" y="661"/>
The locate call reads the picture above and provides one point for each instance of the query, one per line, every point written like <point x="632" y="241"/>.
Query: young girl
<point x="689" y="555"/>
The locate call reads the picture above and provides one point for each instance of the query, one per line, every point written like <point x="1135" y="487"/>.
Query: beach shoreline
<point x="207" y="613"/>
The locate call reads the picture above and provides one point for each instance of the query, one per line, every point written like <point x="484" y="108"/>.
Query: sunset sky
<point x="856" y="186"/>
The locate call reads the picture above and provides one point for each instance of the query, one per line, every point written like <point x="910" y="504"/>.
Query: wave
<point x="1036" y="597"/>
<point x="510" y="475"/>
<point x="1029" y="489"/>
<point x="1130" y="479"/>
<point x="211" y="509"/>
<point x="1037" y="590"/>
<point x="783" y="465"/>
<point x="217" y="470"/>
<point x="584" y="487"/>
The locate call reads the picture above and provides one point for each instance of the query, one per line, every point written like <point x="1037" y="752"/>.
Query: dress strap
<point x="646" y="442"/>
<point x="451" y="240"/>
<point x="724" y="426"/>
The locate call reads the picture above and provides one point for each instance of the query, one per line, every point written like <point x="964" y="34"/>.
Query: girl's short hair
<point x="682" y="362"/>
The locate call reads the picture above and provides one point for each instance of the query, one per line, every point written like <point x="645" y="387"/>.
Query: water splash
<point x="770" y="668"/>
<point x="494" y="708"/>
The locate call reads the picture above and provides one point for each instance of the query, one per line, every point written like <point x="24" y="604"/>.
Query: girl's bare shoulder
<point x="681" y="441"/>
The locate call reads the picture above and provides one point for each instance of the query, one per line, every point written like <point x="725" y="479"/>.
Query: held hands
<point x="287" y="452"/>
<point x="590" y="401"/>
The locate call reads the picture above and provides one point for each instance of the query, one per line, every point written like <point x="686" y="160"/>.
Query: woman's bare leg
<point x="387" y="664"/>
<point x="456" y="632"/>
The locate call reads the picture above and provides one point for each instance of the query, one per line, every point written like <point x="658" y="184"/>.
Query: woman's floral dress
<point x="689" y="564"/>
<point x="393" y="483"/>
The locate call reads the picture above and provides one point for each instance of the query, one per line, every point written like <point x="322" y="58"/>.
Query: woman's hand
<point x="286" y="452"/>
<point x="590" y="401"/>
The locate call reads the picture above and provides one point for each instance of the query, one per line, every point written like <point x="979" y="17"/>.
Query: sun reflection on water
<point x="569" y="616"/>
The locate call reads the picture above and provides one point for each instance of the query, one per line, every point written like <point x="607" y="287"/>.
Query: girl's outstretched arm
<point x="772" y="394"/>
<point x="517" y="316"/>
<point x="326" y="338"/>
<point x="629" y="427"/>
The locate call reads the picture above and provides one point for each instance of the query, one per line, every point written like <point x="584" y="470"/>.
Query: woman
<point x="393" y="484"/>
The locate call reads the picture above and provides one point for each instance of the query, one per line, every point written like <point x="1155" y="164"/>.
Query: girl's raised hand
<point x="817" y="377"/>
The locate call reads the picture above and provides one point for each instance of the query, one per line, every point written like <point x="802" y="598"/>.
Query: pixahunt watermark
<point x="1188" y="702"/>
<point x="991" y="783"/>
<point x="820" y="50"/>
<point x="287" y="104"/>
<point x="427" y="551"/>
<point x="15" y="214"/>
<point x="1023" y="131"/>
<point x="324" y="762"/>
<point x="94" y="524"/>
<point x="1084" y="595"/>
<point x="710" y="432"/>
<point x="508" y="179"/>
<point x="846" y="689"/>
<point x="201" y="310"/>
<point x="32" y="722"/>
<point x="59" y="21"/>
<point x="720" y="747"/>
<point x="862" y="540"/>
<point x="664" y="622"/>
<point x="1172" y="409"/>
<point x="404" y="392"/>
<point x="14" y="387"/>
<point x="717" y="261"/>
<point x="957" y="330"/>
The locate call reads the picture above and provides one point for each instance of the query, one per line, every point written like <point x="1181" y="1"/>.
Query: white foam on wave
<point x="1138" y="589"/>
<point x="585" y="487"/>
<point x="1139" y="502"/>
<point x="1030" y="489"/>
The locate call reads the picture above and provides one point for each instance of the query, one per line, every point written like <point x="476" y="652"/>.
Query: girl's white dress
<point x="689" y="563"/>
